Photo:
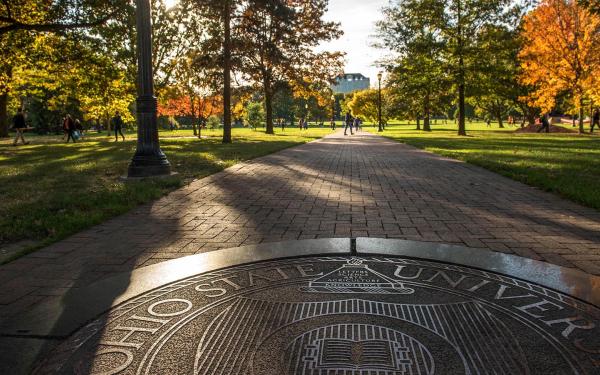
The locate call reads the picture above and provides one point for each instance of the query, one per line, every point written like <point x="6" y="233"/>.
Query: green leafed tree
<point x="255" y="114"/>
<point x="418" y="80"/>
<point x="448" y="30"/>
<point x="495" y="87"/>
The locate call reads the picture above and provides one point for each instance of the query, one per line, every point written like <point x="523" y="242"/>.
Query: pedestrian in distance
<point x="545" y="123"/>
<point x="69" y="127"/>
<point x="511" y="121"/>
<point x="64" y="128"/>
<point x="117" y="123"/>
<point x="595" y="120"/>
<point x="349" y="121"/>
<point x="78" y="129"/>
<point x="305" y="124"/>
<point x="282" y="124"/>
<point x="332" y="124"/>
<point x="19" y="125"/>
<point x="301" y="123"/>
<point x="356" y="124"/>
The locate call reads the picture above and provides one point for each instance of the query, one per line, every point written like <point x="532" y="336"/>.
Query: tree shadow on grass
<point x="60" y="189"/>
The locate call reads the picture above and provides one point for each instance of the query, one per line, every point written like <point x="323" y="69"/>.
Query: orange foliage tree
<point x="195" y="106"/>
<point x="560" y="53"/>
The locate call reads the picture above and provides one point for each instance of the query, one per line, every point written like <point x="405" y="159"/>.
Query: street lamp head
<point x="379" y="76"/>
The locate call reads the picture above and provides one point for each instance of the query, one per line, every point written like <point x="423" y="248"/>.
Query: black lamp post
<point x="148" y="160"/>
<point x="379" y="76"/>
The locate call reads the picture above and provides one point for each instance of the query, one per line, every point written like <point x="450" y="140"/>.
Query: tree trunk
<point x="418" y="123"/>
<point x="268" y="105"/>
<point x="581" y="129"/>
<point x="461" y="75"/>
<point x="108" y="125"/>
<point x="4" y="115"/>
<point x="268" y="101"/>
<point x="426" y="118"/>
<point x="227" y="73"/>
<point x="500" y="123"/>
<point x="462" y="130"/>
<point x="193" y="109"/>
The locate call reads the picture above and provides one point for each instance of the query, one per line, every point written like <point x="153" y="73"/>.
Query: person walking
<point x="305" y="124"/>
<point x="332" y="124"/>
<point x="79" y="128"/>
<point x="545" y="123"/>
<point x="595" y="120"/>
<point x="117" y="123"/>
<point x="65" y="130"/>
<point x="356" y="124"/>
<point x="301" y="123"/>
<point x="349" y="121"/>
<point x="69" y="127"/>
<point x="19" y="125"/>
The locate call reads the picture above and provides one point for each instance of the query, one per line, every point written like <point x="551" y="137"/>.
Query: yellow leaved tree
<point x="560" y="54"/>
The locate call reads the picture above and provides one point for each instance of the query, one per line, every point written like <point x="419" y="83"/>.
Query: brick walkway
<point x="337" y="187"/>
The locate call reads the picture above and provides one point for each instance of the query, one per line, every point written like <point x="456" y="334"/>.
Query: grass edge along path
<point x="564" y="164"/>
<point x="51" y="190"/>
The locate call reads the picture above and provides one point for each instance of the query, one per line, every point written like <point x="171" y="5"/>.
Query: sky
<point x="357" y="19"/>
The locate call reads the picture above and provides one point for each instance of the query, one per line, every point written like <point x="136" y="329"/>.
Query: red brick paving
<point x="338" y="187"/>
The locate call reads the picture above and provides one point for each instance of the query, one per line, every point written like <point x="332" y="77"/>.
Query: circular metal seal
<point x="340" y="315"/>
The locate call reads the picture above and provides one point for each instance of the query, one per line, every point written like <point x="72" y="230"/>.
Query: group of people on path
<point x="546" y="121"/>
<point x="303" y="123"/>
<point x="72" y="128"/>
<point x="352" y="123"/>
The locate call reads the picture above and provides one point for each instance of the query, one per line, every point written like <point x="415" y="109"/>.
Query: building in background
<point x="350" y="82"/>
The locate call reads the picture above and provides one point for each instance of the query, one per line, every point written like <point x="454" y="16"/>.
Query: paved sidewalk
<point x="360" y="186"/>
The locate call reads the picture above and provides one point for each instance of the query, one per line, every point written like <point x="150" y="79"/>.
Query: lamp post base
<point x="149" y="166"/>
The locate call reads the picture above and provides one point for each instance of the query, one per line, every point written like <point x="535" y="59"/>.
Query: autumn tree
<point x="560" y="53"/>
<point x="195" y="89"/>
<point x="55" y="16"/>
<point x="277" y="40"/>
<point x="13" y="46"/>
<point x="64" y="74"/>
<point x="365" y="105"/>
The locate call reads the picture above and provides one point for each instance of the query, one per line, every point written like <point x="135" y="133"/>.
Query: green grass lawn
<point x="51" y="189"/>
<point x="567" y="164"/>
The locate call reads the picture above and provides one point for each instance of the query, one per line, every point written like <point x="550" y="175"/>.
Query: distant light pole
<point x="333" y="111"/>
<point x="379" y="76"/>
